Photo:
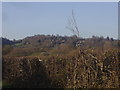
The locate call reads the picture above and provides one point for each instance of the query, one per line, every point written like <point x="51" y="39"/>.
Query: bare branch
<point x="72" y="25"/>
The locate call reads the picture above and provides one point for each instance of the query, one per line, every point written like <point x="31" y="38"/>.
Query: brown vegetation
<point x="61" y="62"/>
<point x="93" y="70"/>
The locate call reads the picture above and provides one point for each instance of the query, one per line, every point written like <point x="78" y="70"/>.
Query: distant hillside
<point x="47" y="44"/>
<point x="42" y="41"/>
<point x="48" y="41"/>
<point x="6" y="41"/>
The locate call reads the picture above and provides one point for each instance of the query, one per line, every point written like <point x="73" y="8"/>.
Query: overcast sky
<point x="27" y="19"/>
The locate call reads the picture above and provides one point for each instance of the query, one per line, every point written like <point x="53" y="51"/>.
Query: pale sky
<point x="27" y="19"/>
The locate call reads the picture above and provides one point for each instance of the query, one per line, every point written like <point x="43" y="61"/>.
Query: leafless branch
<point x="72" y="25"/>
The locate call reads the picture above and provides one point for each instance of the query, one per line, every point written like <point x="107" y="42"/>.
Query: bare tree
<point x="72" y="24"/>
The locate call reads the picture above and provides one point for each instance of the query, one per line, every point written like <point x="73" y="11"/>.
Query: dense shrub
<point x="86" y="69"/>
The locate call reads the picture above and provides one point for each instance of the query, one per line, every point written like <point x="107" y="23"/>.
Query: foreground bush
<point x="86" y="69"/>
